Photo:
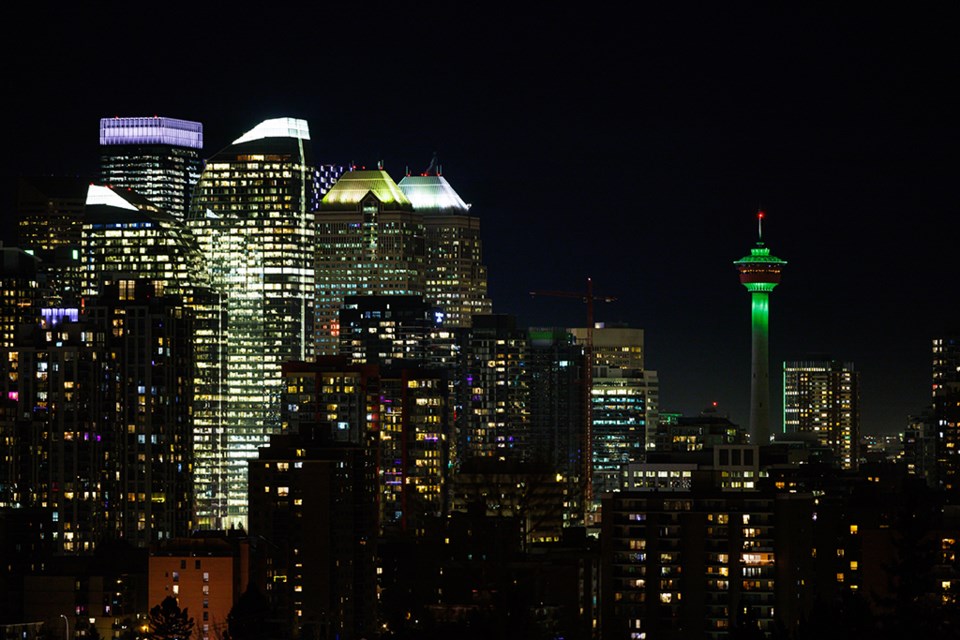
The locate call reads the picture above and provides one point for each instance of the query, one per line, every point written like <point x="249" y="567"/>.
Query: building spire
<point x="760" y="215"/>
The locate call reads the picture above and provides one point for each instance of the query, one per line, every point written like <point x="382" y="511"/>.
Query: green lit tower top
<point x="760" y="273"/>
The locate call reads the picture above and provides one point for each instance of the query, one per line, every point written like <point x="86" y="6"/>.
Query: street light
<point x="66" y="627"/>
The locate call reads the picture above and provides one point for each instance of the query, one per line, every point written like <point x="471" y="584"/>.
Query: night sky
<point x="631" y="146"/>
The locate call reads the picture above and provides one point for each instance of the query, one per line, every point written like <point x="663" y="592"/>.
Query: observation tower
<point x="760" y="273"/>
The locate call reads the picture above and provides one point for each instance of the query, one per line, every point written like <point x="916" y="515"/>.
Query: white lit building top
<point x="277" y="128"/>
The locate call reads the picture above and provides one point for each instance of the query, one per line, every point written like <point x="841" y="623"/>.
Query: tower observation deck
<point x="760" y="273"/>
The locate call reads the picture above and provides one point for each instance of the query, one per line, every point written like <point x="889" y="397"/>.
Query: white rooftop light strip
<point x="97" y="194"/>
<point x="277" y="128"/>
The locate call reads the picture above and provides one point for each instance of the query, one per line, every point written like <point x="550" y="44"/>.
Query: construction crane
<point x="589" y="298"/>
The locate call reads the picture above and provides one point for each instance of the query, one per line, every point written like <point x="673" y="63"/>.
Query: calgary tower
<point x="760" y="273"/>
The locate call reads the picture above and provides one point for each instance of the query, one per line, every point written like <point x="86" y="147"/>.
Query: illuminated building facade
<point x="676" y="563"/>
<point x="946" y="412"/>
<point x="760" y="273"/>
<point x="370" y="241"/>
<point x="100" y="434"/>
<point x="456" y="278"/>
<point x="126" y="237"/>
<point x="50" y="212"/>
<point x="393" y="330"/>
<point x="696" y="433"/>
<point x="398" y="414"/>
<point x="495" y="394"/>
<point x="58" y="435"/>
<point x="20" y="292"/>
<point x="624" y="400"/>
<point x="253" y="216"/>
<point x="823" y="398"/>
<point x="159" y="158"/>
<point x="149" y="346"/>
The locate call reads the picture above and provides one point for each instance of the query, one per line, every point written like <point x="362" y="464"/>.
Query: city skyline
<point x="636" y="158"/>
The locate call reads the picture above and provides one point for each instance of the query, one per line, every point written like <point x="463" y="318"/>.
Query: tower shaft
<point x="760" y="368"/>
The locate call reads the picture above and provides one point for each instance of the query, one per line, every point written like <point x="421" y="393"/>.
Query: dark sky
<point x="632" y="146"/>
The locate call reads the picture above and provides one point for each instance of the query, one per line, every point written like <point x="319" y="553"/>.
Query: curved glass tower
<point x="253" y="216"/>
<point x="760" y="273"/>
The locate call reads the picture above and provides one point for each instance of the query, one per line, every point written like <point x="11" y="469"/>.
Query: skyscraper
<point x="253" y="216"/>
<point x="101" y="430"/>
<point x="50" y="212"/>
<point x="823" y="398"/>
<point x="127" y="237"/>
<point x="760" y="273"/>
<point x="624" y="399"/>
<point x="159" y="158"/>
<point x="369" y="242"/>
<point x="946" y="412"/>
<point x="456" y="278"/>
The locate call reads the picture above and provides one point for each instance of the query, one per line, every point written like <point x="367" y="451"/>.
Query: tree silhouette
<point x="249" y="617"/>
<point x="168" y="622"/>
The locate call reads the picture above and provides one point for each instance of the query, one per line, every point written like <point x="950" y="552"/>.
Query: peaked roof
<point x="104" y="201"/>
<point x="432" y="193"/>
<point x="277" y="128"/>
<point x="353" y="186"/>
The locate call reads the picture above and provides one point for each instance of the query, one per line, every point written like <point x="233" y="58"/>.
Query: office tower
<point x="624" y="399"/>
<point x="370" y="241"/>
<point x="126" y="237"/>
<point x="495" y="396"/>
<point x="946" y="411"/>
<point x="50" y="213"/>
<point x="252" y="215"/>
<point x="760" y="273"/>
<point x="557" y="380"/>
<point x="456" y="278"/>
<point x="159" y="158"/>
<point x="823" y="398"/>
<point x="314" y="504"/>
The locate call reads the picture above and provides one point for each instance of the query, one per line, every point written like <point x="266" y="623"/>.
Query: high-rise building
<point x="314" y="503"/>
<point x="822" y="398"/>
<point x="369" y="242"/>
<point x="101" y="434"/>
<point x="760" y="273"/>
<point x="393" y="330"/>
<point x="456" y="278"/>
<point x="126" y="237"/>
<point x="20" y="292"/>
<point x="557" y="374"/>
<point x="159" y="158"/>
<point x="946" y="412"/>
<point x="50" y="212"/>
<point x="253" y="216"/>
<point x="624" y="401"/>
<point x="495" y="394"/>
